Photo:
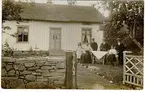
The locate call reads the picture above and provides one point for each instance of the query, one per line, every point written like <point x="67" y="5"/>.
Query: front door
<point x="55" y="38"/>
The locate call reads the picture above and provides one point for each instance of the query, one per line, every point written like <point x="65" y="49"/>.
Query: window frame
<point x="86" y="28"/>
<point x="26" y="26"/>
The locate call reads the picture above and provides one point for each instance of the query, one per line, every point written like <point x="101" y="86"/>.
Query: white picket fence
<point x="133" y="69"/>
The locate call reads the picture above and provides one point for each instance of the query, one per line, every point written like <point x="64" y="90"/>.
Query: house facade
<point x="53" y="27"/>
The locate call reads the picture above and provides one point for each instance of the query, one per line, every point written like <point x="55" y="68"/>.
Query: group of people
<point x="83" y="51"/>
<point x="114" y="52"/>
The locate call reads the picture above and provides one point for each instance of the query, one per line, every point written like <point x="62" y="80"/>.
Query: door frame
<point x="50" y="29"/>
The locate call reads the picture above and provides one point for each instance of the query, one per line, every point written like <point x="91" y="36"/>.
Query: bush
<point x="6" y="50"/>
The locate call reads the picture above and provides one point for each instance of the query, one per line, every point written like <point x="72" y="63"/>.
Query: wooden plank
<point x="134" y="80"/>
<point x="124" y="69"/>
<point x="134" y="75"/>
<point x="127" y="78"/>
<point x="137" y="80"/>
<point x="133" y="83"/>
<point x="134" y="56"/>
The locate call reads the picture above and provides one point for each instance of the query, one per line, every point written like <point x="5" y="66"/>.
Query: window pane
<point x="20" y="38"/>
<point x="25" y="38"/>
<point x="22" y="34"/>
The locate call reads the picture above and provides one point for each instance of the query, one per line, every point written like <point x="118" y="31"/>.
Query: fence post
<point x="124" y="61"/>
<point x="75" y="70"/>
<point x="69" y="72"/>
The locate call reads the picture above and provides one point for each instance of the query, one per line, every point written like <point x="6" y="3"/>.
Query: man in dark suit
<point x="94" y="45"/>
<point x="104" y="46"/>
<point x="120" y="48"/>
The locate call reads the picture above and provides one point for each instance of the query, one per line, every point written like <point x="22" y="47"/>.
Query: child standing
<point x="79" y="52"/>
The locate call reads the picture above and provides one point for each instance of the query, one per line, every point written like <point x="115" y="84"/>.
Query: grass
<point x="109" y="72"/>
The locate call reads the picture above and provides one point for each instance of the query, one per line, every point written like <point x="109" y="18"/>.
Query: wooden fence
<point x="133" y="69"/>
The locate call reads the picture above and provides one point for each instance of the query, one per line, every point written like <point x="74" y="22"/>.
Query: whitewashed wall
<point x="39" y="35"/>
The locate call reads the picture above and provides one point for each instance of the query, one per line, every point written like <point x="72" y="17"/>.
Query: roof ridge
<point x="54" y="4"/>
<point x="57" y="12"/>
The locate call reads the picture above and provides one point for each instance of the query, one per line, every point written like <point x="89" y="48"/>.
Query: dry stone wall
<point x="32" y="73"/>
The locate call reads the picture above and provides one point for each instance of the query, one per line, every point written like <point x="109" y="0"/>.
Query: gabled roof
<point x="62" y="13"/>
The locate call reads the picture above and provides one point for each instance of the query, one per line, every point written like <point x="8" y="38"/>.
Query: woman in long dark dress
<point x="86" y="57"/>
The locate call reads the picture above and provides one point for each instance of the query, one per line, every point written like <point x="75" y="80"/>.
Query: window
<point x="22" y="34"/>
<point x="86" y="35"/>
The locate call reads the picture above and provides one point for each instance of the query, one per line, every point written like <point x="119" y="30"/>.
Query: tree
<point x="10" y="10"/>
<point x="71" y="2"/>
<point x="124" y="13"/>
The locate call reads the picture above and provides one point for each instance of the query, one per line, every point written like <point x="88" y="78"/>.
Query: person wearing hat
<point x="94" y="45"/>
<point x="120" y="48"/>
<point x="104" y="46"/>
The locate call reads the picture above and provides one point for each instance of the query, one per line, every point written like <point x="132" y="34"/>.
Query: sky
<point x="79" y="2"/>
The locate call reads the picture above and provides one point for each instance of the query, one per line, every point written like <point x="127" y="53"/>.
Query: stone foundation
<point x="32" y="73"/>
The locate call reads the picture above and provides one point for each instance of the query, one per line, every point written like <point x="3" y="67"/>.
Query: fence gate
<point x="133" y="69"/>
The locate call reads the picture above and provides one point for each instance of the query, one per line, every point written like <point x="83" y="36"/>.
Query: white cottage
<point x="54" y="28"/>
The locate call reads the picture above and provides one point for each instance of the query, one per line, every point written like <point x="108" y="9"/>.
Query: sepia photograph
<point x="72" y="44"/>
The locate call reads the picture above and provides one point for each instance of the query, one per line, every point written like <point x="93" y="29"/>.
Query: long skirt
<point x="86" y="57"/>
<point x="111" y="59"/>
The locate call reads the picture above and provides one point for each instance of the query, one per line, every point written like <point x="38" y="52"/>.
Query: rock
<point x="16" y="83"/>
<point x="40" y="77"/>
<point x="17" y="73"/>
<point x="111" y="82"/>
<point x="40" y="64"/>
<point x="3" y="65"/>
<point x="46" y="67"/>
<point x="56" y="74"/>
<point x="39" y="70"/>
<point x="10" y="63"/>
<point x="11" y="73"/>
<point x="42" y="85"/>
<point x="4" y="72"/>
<point x="21" y="86"/>
<point x="19" y="67"/>
<point x="3" y="84"/>
<point x="21" y="77"/>
<point x="9" y="60"/>
<point x="49" y="63"/>
<point x="30" y="78"/>
<point x="103" y="76"/>
<point x="52" y="70"/>
<point x="61" y="70"/>
<point x="25" y="72"/>
<point x="33" y="68"/>
<point x="60" y="65"/>
<point x="58" y="82"/>
<point x="46" y="74"/>
<point x="37" y="74"/>
<point x="31" y="85"/>
<point x="9" y="67"/>
<point x="42" y="80"/>
<point x="29" y="64"/>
